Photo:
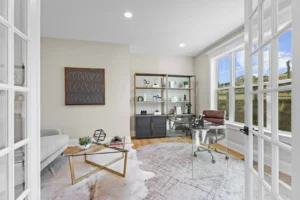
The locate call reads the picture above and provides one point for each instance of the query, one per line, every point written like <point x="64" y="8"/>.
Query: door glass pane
<point x="267" y="109"/>
<point x="4" y="177"/>
<point x="20" y="61"/>
<point x="267" y="70"/>
<point x="255" y="153"/>
<point x="240" y="68"/>
<point x="284" y="12"/>
<point x="223" y="101"/>
<point x="20" y="105"/>
<point x="20" y="170"/>
<point x="21" y="15"/>
<point x="267" y="112"/>
<point x="267" y="20"/>
<point x="267" y="194"/>
<point x="3" y="119"/>
<point x="254" y="28"/>
<point x="3" y="53"/>
<point x="255" y="108"/>
<point x="224" y="66"/>
<point x="285" y="111"/>
<point x="240" y="105"/>
<point x="285" y="172"/>
<point x="257" y="188"/>
<point x="3" y="8"/>
<point x="285" y="60"/>
<point x="255" y="71"/>
<point x="268" y="162"/>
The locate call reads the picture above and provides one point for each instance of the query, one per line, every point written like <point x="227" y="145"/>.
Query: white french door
<point x="19" y="99"/>
<point x="268" y="99"/>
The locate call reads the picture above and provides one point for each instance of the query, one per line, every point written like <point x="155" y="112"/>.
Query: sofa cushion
<point x="50" y="144"/>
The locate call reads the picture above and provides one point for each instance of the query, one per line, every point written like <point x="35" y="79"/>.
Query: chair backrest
<point x="215" y="116"/>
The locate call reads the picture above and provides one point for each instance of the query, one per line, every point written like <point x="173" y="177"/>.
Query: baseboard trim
<point x="236" y="147"/>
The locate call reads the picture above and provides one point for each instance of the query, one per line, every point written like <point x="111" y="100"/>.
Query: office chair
<point x="212" y="130"/>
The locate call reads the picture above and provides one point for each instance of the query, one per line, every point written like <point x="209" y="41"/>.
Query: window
<point x="228" y="88"/>
<point x="224" y="66"/>
<point x="231" y="83"/>
<point x="224" y="71"/>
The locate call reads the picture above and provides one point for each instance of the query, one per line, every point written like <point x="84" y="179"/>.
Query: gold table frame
<point x="99" y="167"/>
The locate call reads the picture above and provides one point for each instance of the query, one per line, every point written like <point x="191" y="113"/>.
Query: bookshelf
<point x="148" y="85"/>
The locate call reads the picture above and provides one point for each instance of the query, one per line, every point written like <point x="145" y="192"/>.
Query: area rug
<point x="56" y="180"/>
<point x="178" y="175"/>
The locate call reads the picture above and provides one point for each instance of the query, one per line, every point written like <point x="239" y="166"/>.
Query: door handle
<point x="245" y="130"/>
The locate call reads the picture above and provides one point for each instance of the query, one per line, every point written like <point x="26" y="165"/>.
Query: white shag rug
<point x="56" y="180"/>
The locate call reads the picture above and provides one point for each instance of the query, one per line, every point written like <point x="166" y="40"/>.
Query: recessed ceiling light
<point x="181" y="45"/>
<point x="128" y="14"/>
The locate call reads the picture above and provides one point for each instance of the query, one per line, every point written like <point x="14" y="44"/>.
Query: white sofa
<point x="53" y="143"/>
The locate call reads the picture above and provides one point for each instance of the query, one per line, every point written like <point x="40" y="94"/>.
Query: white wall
<point x="144" y="63"/>
<point x="79" y="121"/>
<point x="202" y="70"/>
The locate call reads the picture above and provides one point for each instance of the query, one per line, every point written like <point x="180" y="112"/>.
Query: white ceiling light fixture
<point x="128" y="15"/>
<point x="181" y="45"/>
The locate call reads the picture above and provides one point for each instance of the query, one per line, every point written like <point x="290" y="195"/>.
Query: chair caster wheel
<point x="213" y="161"/>
<point x="227" y="157"/>
<point x="195" y="155"/>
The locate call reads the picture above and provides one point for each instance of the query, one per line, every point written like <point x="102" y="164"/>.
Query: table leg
<point x="125" y="165"/>
<point x="72" y="169"/>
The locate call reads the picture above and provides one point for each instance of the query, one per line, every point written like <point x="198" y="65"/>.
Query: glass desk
<point x="209" y="148"/>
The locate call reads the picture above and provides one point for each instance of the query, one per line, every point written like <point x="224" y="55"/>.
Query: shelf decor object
<point x="99" y="135"/>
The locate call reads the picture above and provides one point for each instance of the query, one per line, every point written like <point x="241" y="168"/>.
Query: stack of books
<point x="116" y="144"/>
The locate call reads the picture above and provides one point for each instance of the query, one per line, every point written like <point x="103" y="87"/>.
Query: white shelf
<point x="150" y="102"/>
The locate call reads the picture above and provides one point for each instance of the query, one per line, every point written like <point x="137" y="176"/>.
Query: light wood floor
<point x="143" y="142"/>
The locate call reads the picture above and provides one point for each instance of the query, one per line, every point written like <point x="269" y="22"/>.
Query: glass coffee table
<point x="95" y="150"/>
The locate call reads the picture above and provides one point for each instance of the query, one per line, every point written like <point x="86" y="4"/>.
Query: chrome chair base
<point x="209" y="150"/>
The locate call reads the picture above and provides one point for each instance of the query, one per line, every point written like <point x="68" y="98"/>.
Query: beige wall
<point x="201" y="65"/>
<point x="143" y="63"/>
<point x="79" y="121"/>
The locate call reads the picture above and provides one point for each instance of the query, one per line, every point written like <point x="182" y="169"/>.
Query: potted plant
<point x="85" y="142"/>
<point x="189" y="105"/>
<point x="186" y="84"/>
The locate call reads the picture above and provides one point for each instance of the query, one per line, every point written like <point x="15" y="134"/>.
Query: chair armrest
<point x="49" y="132"/>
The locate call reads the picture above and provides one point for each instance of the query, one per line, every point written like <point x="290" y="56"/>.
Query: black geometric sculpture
<point x="99" y="135"/>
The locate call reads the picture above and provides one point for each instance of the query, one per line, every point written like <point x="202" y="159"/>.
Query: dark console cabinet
<point x="150" y="126"/>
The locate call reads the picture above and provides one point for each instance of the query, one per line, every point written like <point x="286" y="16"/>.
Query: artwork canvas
<point x="84" y="86"/>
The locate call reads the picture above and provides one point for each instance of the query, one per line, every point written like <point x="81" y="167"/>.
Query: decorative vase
<point x="189" y="110"/>
<point x="85" y="146"/>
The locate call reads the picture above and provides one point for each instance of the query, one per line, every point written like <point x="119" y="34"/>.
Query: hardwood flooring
<point x="143" y="142"/>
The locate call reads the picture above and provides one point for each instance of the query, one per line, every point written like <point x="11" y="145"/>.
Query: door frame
<point x="296" y="100"/>
<point x="32" y="90"/>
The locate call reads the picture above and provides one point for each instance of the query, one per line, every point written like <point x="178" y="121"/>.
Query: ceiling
<point x="157" y="26"/>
